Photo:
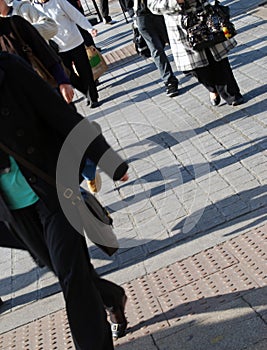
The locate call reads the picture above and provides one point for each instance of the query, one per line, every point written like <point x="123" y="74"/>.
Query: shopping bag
<point x="97" y="62"/>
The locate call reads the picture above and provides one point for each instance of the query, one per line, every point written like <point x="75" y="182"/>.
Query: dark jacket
<point x="35" y="121"/>
<point x="35" y="41"/>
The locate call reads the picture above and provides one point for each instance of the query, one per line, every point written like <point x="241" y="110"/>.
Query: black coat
<point x="35" y="121"/>
<point x="30" y="37"/>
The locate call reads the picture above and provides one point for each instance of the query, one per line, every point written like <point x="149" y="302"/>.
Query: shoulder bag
<point x="208" y="25"/>
<point x="96" y="220"/>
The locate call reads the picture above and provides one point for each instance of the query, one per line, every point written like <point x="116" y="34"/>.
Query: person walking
<point x="210" y="66"/>
<point x="30" y="204"/>
<point x="87" y="37"/>
<point x="153" y="29"/>
<point x="71" y="45"/>
<point x="104" y="9"/>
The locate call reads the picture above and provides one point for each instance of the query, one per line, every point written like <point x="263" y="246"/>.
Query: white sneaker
<point x="109" y="21"/>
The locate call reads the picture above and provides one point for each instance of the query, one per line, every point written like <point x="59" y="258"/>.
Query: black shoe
<point x="118" y="330"/>
<point x="1" y="302"/>
<point x="215" y="101"/>
<point x="98" y="48"/>
<point x="118" y="320"/>
<point x="238" y="100"/>
<point x="172" y="89"/>
<point x="94" y="104"/>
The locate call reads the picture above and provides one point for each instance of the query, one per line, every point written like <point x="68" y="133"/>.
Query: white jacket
<point x="45" y="25"/>
<point x="67" y="17"/>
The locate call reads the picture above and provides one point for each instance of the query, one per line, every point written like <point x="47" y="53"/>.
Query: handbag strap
<point x="28" y="165"/>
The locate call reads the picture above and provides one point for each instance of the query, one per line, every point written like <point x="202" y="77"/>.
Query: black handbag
<point x="208" y="26"/>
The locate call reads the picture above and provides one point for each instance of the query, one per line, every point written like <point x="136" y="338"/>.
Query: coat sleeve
<point x="45" y="25"/>
<point x="75" y="15"/>
<point x="54" y="112"/>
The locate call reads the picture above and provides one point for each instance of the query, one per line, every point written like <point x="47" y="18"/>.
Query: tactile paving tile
<point x="168" y="297"/>
<point x="251" y="250"/>
<point x="48" y="333"/>
<point x="206" y="294"/>
<point x="190" y="270"/>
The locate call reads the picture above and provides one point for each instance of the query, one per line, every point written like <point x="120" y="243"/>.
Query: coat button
<point x="20" y="132"/>
<point x="30" y="150"/>
<point x="5" y="111"/>
<point x="32" y="179"/>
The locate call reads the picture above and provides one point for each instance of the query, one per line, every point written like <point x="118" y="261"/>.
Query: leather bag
<point x="207" y="26"/>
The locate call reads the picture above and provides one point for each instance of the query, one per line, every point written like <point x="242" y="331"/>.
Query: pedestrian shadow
<point x="228" y="214"/>
<point x="29" y="297"/>
<point x="221" y="319"/>
<point x="20" y="281"/>
<point x="175" y="175"/>
<point x="241" y="59"/>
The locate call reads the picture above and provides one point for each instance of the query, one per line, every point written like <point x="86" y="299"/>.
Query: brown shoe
<point x="94" y="185"/>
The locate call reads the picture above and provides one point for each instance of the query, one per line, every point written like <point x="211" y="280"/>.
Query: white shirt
<point x="67" y="17"/>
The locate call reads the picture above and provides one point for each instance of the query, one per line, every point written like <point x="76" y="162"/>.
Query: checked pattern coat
<point x="185" y="57"/>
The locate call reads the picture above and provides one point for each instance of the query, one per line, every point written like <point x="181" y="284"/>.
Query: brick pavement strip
<point x="219" y="292"/>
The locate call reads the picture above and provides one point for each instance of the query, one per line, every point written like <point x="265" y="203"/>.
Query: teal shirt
<point x="17" y="192"/>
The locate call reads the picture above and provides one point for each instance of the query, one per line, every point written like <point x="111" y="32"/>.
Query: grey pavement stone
<point x="145" y="343"/>
<point x="257" y="299"/>
<point x="260" y="345"/>
<point x="245" y="186"/>
<point x="230" y="329"/>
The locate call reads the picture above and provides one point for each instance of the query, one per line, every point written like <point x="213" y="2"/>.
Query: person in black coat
<point x="35" y="124"/>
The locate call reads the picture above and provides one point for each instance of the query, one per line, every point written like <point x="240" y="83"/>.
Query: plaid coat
<point x="185" y="57"/>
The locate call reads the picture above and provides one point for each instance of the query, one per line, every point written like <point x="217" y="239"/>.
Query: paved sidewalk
<point x="198" y="177"/>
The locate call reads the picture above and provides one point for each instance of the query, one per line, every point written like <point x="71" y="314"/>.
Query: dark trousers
<point x="61" y="248"/>
<point x="84" y="81"/>
<point x="153" y="29"/>
<point x="218" y="77"/>
<point x="104" y="9"/>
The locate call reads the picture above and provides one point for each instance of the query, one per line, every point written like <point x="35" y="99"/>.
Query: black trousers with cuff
<point x="83" y="80"/>
<point x="60" y="247"/>
<point x="218" y="77"/>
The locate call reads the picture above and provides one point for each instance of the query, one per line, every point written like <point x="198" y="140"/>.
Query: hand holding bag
<point x="208" y="25"/>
